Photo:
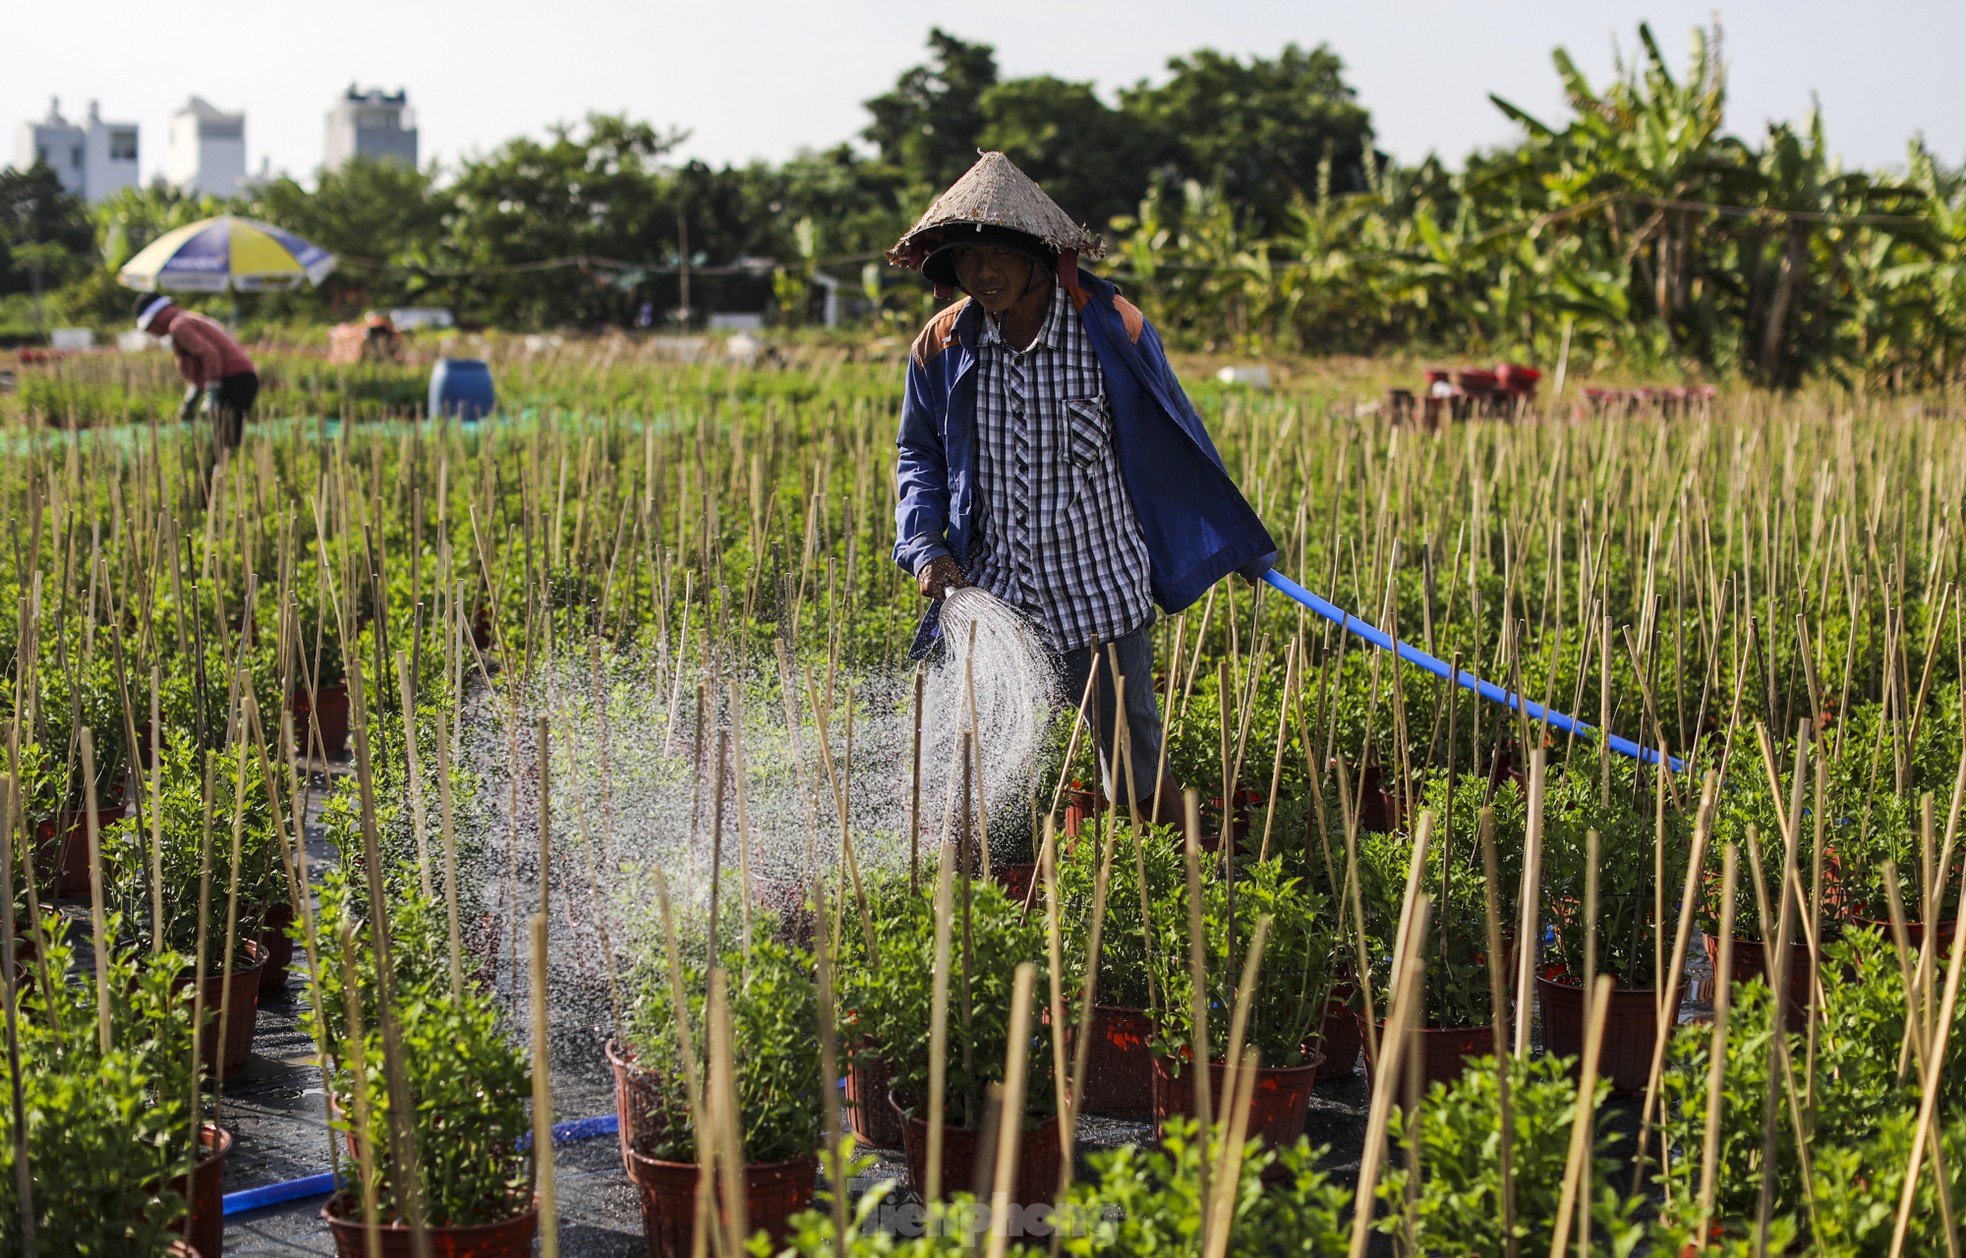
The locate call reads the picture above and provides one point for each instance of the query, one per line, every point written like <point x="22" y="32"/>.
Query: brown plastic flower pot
<point x="1751" y="961"/>
<point x="773" y="1193"/>
<point x="1444" y="1052"/>
<point x="329" y="705"/>
<point x="1380" y="809"/>
<point x="1119" y="1063"/>
<point x="637" y="1103"/>
<point x="1277" y="1102"/>
<point x="964" y="1159"/>
<point x="1016" y="878"/>
<point x="62" y="847"/>
<point x="279" y="948"/>
<point x="1340" y="1040"/>
<point x="1631" y="1028"/>
<point x="243" y="983"/>
<point x="1083" y="805"/>
<point x="1914" y="932"/>
<point x="203" y="1224"/>
<point x="510" y="1238"/>
<point x="867" y="1083"/>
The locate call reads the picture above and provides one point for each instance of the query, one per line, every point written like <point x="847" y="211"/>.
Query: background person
<point x="216" y="371"/>
<point x="1048" y="455"/>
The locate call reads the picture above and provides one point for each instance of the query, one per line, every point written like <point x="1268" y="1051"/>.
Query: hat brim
<point x="939" y="267"/>
<point x="151" y="309"/>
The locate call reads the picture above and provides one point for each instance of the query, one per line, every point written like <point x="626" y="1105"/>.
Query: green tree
<point x="45" y="239"/>
<point x="927" y="125"/>
<point x="1090" y="157"/>
<point x="585" y="190"/>
<point x="1258" y="130"/>
<point x="365" y="210"/>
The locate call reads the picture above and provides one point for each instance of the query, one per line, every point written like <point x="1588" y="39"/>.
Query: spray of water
<point x="636" y="738"/>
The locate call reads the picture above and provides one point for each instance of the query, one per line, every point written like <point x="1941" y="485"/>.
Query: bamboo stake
<point x="834" y="1162"/>
<point x="1499" y="1020"/>
<point x="414" y="770"/>
<point x="227" y="957"/>
<point x="402" y="1135"/>
<point x="739" y="772"/>
<point x="1916" y="1042"/>
<point x="447" y="827"/>
<point x="1219" y="1217"/>
<point x="1010" y="1120"/>
<point x="1576" y="1168"/>
<point x="1082" y="1048"/>
<point x="1928" y="1100"/>
<point x="98" y="920"/>
<point x="1276" y="765"/>
<point x="1047" y="877"/>
<point x="1197" y="972"/>
<point x="915" y="792"/>
<point x="938" y="1045"/>
<point x="724" y="1137"/>
<point x="542" y="1097"/>
<point x="1671" y="976"/>
<point x="1402" y="1016"/>
<point x="23" y="1171"/>
<point x="357" y="1042"/>
<point x="1532" y="881"/>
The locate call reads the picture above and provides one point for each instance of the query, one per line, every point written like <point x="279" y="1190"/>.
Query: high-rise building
<point x="372" y="124"/>
<point x="208" y="150"/>
<point x="93" y="158"/>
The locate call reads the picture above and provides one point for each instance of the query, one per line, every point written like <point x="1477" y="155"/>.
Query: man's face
<point x="996" y="277"/>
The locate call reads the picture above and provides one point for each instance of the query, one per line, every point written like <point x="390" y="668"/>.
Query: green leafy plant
<point x="773" y="1001"/>
<point x="77" y="693"/>
<point x="1457" y="992"/>
<point x="991" y="937"/>
<point x="1123" y="955"/>
<point x="194" y="837"/>
<point x="1747" y="815"/>
<point x="1630" y="885"/>
<point x="471" y="1086"/>
<point x="1456" y="1206"/>
<point x="1863" y="1110"/>
<point x="105" y="1130"/>
<point x="1293" y="982"/>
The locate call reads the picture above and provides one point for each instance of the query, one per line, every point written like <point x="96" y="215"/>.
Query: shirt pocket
<point x="1088" y="431"/>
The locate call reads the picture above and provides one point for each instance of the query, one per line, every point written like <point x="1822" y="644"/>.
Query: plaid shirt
<point x="1057" y="537"/>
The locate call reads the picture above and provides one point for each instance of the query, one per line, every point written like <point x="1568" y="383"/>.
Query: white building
<point x="93" y="158"/>
<point x="207" y="153"/>
<point x="373" y="124"/>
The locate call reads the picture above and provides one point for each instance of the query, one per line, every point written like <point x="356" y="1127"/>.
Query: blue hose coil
<point x="321" y="1185"/>
<point x="1486" y="689"/>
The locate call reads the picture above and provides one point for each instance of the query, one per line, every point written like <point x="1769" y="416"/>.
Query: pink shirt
<point x="206" y="352"/>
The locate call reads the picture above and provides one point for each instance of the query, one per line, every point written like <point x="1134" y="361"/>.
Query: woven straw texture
<point x="995" y="193"/>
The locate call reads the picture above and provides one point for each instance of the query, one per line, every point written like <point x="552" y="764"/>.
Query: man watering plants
<point x="218" y="375"/>
<point x="1048" y="454"/>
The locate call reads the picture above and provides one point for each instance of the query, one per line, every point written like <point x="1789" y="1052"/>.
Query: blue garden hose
<point x="322" y="1184"/>
<point x="1486" y="689"/>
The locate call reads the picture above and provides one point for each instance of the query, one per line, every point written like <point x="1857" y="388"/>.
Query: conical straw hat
<point x="994" y="193"/>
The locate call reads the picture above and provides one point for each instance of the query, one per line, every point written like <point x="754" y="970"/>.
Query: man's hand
<point x="189" y="410"/>
<point x="938" y="576"/>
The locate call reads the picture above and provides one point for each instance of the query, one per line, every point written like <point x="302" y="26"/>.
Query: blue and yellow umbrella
<point x="226" y="253"/>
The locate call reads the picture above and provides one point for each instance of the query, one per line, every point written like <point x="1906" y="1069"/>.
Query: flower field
<point x="580" y="752"/>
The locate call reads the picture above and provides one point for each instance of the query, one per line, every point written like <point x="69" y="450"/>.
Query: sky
<point x="752" y="79"/>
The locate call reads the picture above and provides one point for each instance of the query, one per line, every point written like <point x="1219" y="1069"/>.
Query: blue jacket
<point x="1196" y="523"/>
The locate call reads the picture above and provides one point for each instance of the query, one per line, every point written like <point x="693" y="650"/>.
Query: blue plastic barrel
<point x="461" y="387"/>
